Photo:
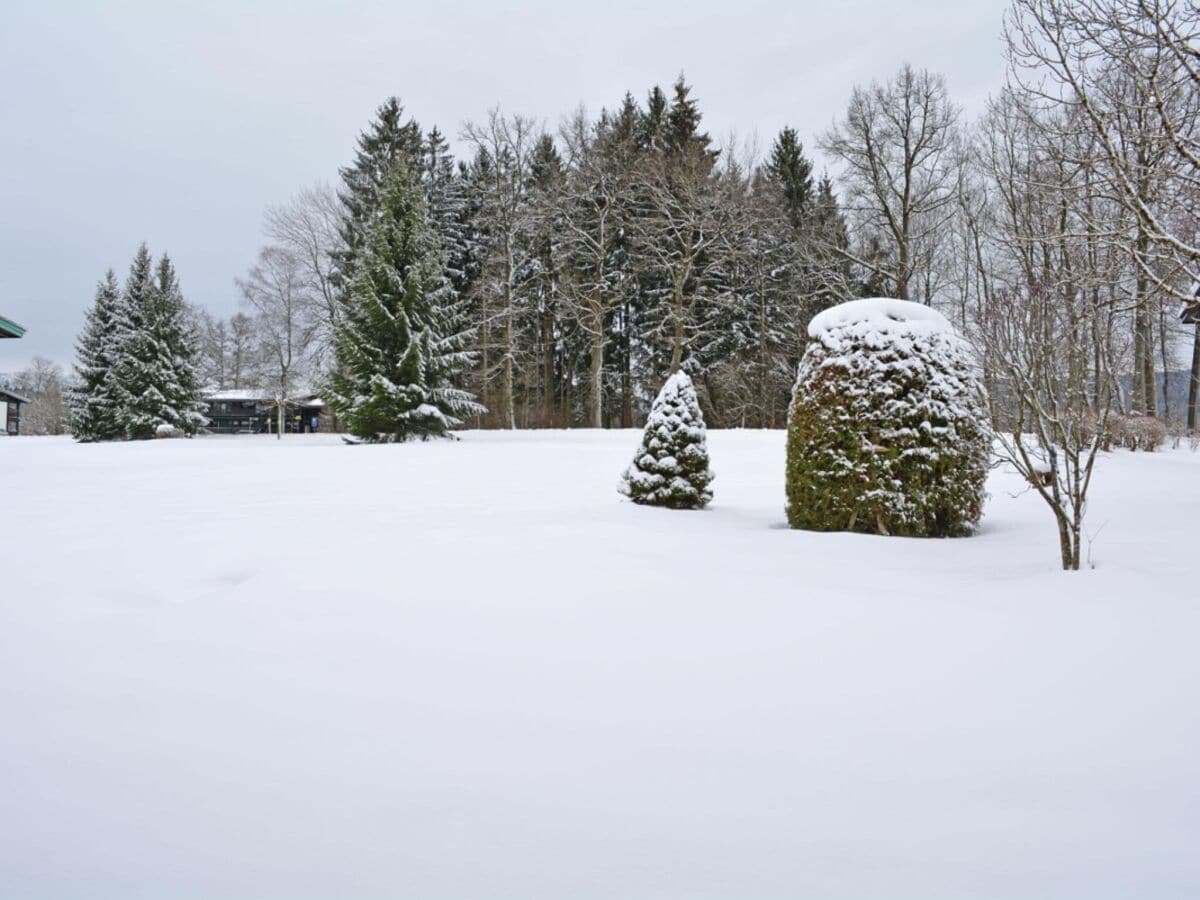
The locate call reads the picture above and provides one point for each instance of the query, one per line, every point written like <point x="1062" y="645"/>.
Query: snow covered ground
<point x="242" y="668"/>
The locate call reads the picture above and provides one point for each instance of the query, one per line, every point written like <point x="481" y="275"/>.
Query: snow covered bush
<point x="888" y="430"/>
<point x="671" y="466"/>
<point x="1138" y="432"/>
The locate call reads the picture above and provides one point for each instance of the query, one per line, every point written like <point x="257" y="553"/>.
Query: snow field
<point x="240" y="667"/>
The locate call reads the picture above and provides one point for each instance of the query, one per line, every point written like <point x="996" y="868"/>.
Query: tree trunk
<point x="596" y="377"/>
<point x="1066" y="547"/>
<point x="677" y="333"/>
<point x="1164" y="351"/>
<point x="1145" y="399"/>
<point x="507" y="413"/>
<point x="1194" y="381"/>
<point x="548" y="367"/>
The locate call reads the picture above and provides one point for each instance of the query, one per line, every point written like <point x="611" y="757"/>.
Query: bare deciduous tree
<point x="897" y="148"/>
<point x="505" y="215"/>
<point x="286" y="316"/>
<point x="1132" y="69"/>
<point x="43" y="383"/>
<point x="307" y="226"/>
<point x="1049" y="294"/>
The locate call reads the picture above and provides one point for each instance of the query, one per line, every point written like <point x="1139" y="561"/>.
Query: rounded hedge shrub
<point x="887" y="430"/>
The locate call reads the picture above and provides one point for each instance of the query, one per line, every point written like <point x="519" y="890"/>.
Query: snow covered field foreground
<point x="240" y="668"/>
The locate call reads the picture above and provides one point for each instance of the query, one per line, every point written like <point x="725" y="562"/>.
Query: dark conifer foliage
<point x="397" y="349"/>
<point x="136" y="359"/>
<point x="92" y="413"/>
<point x="581" y="268"/>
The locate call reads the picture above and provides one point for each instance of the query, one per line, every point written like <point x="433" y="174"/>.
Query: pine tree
<point x="388" y="140"/>
<point x="152" y="379"/>
<point x="830" y="276"/>
<point x="445" y="191"/>
<point x="176" y="346"/>
<point x="756" y="339"/>
<point x="134" y="378"/>
<point x="650" y="123"/>
<point x="671" y="467"/>
<point x="683" y="135"/>
<point x="92" y="413"/>
<point x="397" y="350"/>
<point x="791" y="173"/>
<point x="540" y="282"/>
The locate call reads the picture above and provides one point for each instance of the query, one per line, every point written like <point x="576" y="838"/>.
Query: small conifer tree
<point x="671" y="466"/>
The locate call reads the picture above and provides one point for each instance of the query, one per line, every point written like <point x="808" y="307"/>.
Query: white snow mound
<point x="881" y="314"/>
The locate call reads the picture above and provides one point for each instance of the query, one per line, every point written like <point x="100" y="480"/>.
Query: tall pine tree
<point x="790" y="172"/>
<point x="176" y="346"/>
<point x="152" y="380"/>
<point x="397" y="349"/>
<point x="92" y="412"/>
<point x="388" y="140"/>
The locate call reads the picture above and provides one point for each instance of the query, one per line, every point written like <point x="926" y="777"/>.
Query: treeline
<point x="577" y="267"/>
<point x="582" y="266"/>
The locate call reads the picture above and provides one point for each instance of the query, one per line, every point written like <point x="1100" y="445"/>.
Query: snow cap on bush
<point x="671" y="466"/>
<point x="887" y="429"/>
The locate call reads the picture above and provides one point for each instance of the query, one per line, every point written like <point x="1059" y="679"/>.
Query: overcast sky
<point x="178" y="123"/>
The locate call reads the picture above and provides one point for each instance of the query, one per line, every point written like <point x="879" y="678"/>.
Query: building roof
<point x="249" y="395"/>
<point x="10" y="329"/>
<point x="236" y="394"/>
<point x="10" y="395"/>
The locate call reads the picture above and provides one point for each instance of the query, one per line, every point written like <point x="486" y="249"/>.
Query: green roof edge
<point x="11" y="328"/>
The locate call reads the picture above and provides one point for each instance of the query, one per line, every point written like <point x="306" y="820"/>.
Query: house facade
<point x="251" y="412"/>
<point x="10" y="403"/>
<point x="10" y="413"/>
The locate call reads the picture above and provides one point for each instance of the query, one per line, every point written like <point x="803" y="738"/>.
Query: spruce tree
<point x="651" y="123"/>
<point x="152" y="380"/>
<point x="445" y="191"/>
<point x="176" y="346"/>
<point x="541" y="282"/>
<point x="756" y="338"/>
<point x="387" y="141"/>
<point x="397" y="348"/>
<point x="133" y="379"/>
<point x="671" y="466"/>
<point x="682" y="126"/>
<point x="791" y="173"/>
<point x="92" y="413"/>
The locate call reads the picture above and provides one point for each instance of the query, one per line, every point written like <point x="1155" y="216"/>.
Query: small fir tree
<point x="398" y="345"/>
<point x="92" y="411"/>
<point x="671" y="466"/>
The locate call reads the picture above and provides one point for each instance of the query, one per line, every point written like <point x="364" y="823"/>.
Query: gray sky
<point x="178" y="123"/>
